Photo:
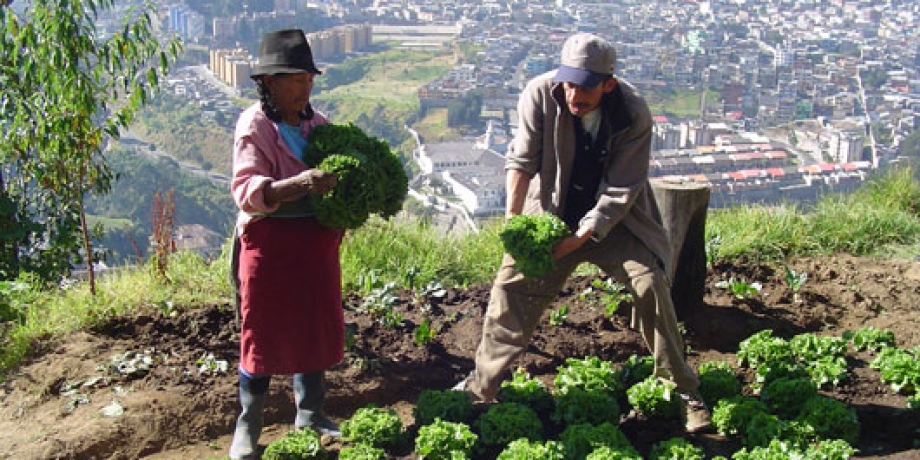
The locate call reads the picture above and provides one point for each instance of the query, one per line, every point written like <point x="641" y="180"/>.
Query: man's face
<point x="582" y="101"/>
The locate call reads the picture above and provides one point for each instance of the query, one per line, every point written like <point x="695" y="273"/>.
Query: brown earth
<point x="67" y="402"/>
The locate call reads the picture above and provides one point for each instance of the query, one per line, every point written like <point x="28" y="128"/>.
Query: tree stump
<point x="683" y="207"/>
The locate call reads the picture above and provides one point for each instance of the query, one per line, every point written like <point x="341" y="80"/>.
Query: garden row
<point x="780" y="413"/>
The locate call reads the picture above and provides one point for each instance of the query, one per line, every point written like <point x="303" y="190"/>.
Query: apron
<point x="290" y="296"/>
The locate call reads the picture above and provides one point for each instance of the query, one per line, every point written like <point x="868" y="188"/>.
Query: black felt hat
<point x="284" y="51"/>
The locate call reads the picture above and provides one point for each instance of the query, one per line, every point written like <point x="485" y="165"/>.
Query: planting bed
<point x="171" y="400"/>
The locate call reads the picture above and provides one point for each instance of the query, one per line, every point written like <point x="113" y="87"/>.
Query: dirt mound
<point x="162" y="385"/>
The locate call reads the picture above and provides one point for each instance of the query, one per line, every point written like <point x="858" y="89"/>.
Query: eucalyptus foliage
<point x="66" y="90"/>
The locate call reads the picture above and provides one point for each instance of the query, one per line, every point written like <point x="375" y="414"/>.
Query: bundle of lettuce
<point x="530" y="239"/>
<point x="371" y="177"/>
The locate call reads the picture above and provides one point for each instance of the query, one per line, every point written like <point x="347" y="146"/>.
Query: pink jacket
<point x="260" y="156"/>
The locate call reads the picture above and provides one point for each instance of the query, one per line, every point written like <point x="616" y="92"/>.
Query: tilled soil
<point x="154" y="385"/>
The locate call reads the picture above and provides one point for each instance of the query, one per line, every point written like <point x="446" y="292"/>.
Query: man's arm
<point x="516" y="184"/>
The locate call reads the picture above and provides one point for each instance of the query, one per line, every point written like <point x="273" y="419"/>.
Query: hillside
<point x="55" y="406"/>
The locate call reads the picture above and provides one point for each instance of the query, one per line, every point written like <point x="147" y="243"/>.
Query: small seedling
<point x="557" y="317"/>
<point x="795" y="280"/>
<point x="740" y="288"/>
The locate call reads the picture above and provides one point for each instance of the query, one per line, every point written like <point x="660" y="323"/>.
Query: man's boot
<point x="253" y="391"/>
<point x="309" y="393"/>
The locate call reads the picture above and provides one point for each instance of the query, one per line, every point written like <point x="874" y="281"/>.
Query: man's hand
<point x="570" y="244"/>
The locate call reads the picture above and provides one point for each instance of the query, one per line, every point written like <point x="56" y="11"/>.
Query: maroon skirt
<point x="291" y="297"/>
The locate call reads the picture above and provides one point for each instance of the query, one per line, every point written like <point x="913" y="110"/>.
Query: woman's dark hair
<point x="268" y="105"/>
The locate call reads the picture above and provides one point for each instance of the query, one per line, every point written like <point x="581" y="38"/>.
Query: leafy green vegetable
<point x="525" y="449"/>
<point x="654" y="397"/>
<point x="372" y="179"/>
<point x="581" y="439"/>
<point x="900" y="369"/>
<point x="590" y="374"/>
<point x="610" y="453"/>
<point x="676" y="449"/>
<point x="362" y="452"/>
<point x="443" y="440"/>
<point x="731" y="416"/>
<point x="448" y="405"/>
<point x="523" y="389"/>
<point x="529" y="239"/>
<point x="636" y="369"/>
<point x="718" y="381"/>
<point x="870" y="339"/>
<point x="505" y="422"/>
<point x="374" y="426"/>
<point x="295" y="445"/>
<point x="580" y="406"/>
<point x="830" y="419"/>
<point x="786" y="396"/>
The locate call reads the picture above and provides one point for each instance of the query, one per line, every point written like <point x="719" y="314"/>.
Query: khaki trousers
<point x="517" y="304"/>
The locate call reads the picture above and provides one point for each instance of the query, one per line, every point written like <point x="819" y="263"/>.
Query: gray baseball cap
<point x="586" y="60"/>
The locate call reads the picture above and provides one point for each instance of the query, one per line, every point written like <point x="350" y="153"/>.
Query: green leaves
<point x="65" y="88"/>
<point x="371" y="177"/>
<point x="530" y="239"/>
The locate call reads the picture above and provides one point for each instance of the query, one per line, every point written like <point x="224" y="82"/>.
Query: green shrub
<point x="676" y="449"/>
<point x="582" y="439"/>
<point x="531" y="392"/>
<point x="580" y="406"/>
<point x="525" y="449"/>
<point x="786" y="396"/>
<point x="731" y="416"/>
<point x="505" y="422"/>
<point x="589" y="374"/>
<point x="296" y="445"/>
<point x="449" y="405"/>
<point x="529" y="239"/>
<point x="362" y="452"/>
<point x="654" y="397"/>
<point x="718" y="381"/>
<point x="373" y="426"/>
<point x="445" y="440"/>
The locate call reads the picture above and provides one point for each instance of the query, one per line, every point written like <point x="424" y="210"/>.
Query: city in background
<point x="808" y="96"/>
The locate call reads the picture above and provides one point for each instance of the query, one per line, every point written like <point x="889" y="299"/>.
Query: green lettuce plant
<point x="581" y="439"/>
<point x="718" y="381"/>
<point x="374" y="426"/>
<point x="654" y="397"/>
<point x="676" y="449"/>
<point x="581" y="406"/>
<point x="523" y="389"/>
<point x="443" y="440"/>
<point x="590" y="373"/>
<point x="529" y="239"/>
<point x="525" y="449"/>
<point x="448" y="405"/>
<point x="362" y="452"/>
<point x="296" y="445"/>
<point x="870" y="338"/>
<point x="371" y="178"/>
<point x="506" y="422"/>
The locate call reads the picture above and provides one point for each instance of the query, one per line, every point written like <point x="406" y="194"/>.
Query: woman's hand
<point x="316" y="181"/>
<point x="571" y="243"/>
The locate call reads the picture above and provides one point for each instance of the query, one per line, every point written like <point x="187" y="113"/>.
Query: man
<point x="582" y="152"/>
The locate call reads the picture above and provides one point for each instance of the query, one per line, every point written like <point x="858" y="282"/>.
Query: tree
<point x="65" y="91"/>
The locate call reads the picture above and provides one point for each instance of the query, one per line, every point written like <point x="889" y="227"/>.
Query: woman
<point x="288" y="265"/>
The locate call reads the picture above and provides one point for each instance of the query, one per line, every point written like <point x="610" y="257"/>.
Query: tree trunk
<point x="683" y="207"/>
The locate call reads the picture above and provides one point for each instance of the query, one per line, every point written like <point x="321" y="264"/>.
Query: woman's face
<point x="290" y="92"/>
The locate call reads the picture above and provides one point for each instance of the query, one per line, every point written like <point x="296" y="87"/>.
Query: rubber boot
<point x="309" y="393"/>
<point x="253" y="392"/>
